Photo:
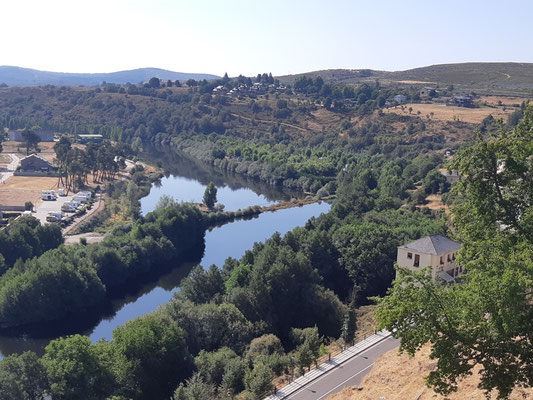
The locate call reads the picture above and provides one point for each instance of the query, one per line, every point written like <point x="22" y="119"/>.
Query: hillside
<point x="17" y="76"/>
<point x="398" y="377"/>
<point x="495" y="78"/>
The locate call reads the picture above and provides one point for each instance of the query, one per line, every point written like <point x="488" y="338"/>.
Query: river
<point x="186" y="182"/>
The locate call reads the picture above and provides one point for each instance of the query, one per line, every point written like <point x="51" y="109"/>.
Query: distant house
<point x="33" y="162"/>
<point x="220" y="90"/>
<point x="451" y="177"/>
<point x="427" y="92"/>
<point x="463" y="100"/>
<point x="436" y="251"/>
<point x="44" y="135"/>
<point x="400" y="98"/>
<point x="90" y="138"/>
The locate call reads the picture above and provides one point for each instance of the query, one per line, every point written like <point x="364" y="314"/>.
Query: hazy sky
<point x="278" y="36"/>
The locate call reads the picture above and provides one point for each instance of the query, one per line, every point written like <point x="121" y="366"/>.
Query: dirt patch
<point x="19" y="197"/>
<point x="398" y="377"/>
<point x="501" y="100"/>
<point x="30" y="183"/>
<point x="442" y="112"/>
<point x="434" y="202"/>
<point x="18" y="148"/>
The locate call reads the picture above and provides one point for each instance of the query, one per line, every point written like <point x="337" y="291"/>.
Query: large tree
<point x="31" y="138"/>
<point x="210" y="195"/>
<point x="486" y="321"/>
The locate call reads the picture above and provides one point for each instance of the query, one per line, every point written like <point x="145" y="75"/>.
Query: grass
<point x="446" y="113"/>
<point x="399" y="377"/>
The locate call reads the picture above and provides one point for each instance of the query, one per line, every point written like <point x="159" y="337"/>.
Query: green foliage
<point x="258" y="381"/>
<point x="200" y="286"/>
<point x="22" y="377"/>
<point x="211" y="326"/>
<point x="210" y="195"/>
<point x="156" y="355"/>
<point x="212" y="365"/>
<point x="74" y="369"/>
<point x="195" y="388"/>
<point x="486" y="321"/>
<point x="265" y="345"/>
<point x="27" y="238"/>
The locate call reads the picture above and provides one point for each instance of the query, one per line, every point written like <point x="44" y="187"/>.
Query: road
<point x="11" y="167"/>
<point x="348" y="374"/>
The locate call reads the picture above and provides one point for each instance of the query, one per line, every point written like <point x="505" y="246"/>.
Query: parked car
<point x="48" y="195"/>
<point x="62" y="192"/>
<point x="26" y="213"/>
<point x="54" y="217"/>
<point x="69" y="207"/>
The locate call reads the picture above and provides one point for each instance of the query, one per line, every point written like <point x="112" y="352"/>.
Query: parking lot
<point x="47" y="206"/>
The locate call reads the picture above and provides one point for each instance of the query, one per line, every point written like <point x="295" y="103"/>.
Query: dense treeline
<point x="25" y="238"/>
<point x="68" y="279"/>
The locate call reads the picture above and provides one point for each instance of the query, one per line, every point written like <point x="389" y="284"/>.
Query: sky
<point x="250" y="37"/>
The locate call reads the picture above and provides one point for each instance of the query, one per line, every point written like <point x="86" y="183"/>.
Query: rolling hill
<point x="17" y="76"/>
<point x="495" y="78"/>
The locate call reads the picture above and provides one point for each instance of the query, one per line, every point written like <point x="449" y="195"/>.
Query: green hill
<point x="496" y="78"/>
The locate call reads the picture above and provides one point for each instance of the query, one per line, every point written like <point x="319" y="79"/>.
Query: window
<point x="449" y="258"/>
<point x="410" y="256"/>
<point x="453" y="256"/>
<point x="417" y="260"/>
<point x="441" y="260"/>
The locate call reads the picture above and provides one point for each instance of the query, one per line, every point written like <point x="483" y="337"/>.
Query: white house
<point x="436" y="251"/>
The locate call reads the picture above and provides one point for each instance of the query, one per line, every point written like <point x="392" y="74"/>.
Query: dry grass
<point x="47" y="149"/>
<point x="398" y="377"/>
<point x="506" y="101"/>
<point x="443" y="112"/>
<point x="30" y="183"/>
<point x="19" y="197"/>
<point x="434" y="202"/>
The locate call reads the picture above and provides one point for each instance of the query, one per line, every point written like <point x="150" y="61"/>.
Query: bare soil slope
<point x="398" y="377"/>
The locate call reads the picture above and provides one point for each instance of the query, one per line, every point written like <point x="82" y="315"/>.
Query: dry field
<point x="19" y="197"/>
<point x="398" y="377"/>
<point x="19" y="189"/>
<point x="47" y="149"/>
<point x="442" y="112"/>
<point x="506" y="101"/>
<point x="30" y="183"/>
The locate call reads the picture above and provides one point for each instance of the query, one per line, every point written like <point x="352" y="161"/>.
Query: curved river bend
<point x="187" y="183"/>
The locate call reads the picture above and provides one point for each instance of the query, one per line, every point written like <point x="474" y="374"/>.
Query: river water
<point x="187" y="182"/>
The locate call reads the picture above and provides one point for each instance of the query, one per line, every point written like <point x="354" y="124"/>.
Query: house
<point x="400" y="98"/>
<point x="427" y="92"/>
<point x="44" y="135"/>
<point x="33" y="162"/>
<point x="435" y="251"/>
<point x="463" y="100"/>
<point x="451" y="177"/>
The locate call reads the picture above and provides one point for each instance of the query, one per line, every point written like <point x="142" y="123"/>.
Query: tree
<point x="487" y="321"/>
<point x="31" y="138"/>
<point x="155" y="353"/>
<point x="75" y="370"/>
<point x="22" y="377"/>
<point x="154" y="82"/>
<point x="194" y="388"/>
<point x="210" y="195"/>
<point x="258" y="381"/>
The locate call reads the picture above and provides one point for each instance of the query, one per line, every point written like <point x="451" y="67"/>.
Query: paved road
<point x="8" y="172"/>
<point x="348" y="374"/>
